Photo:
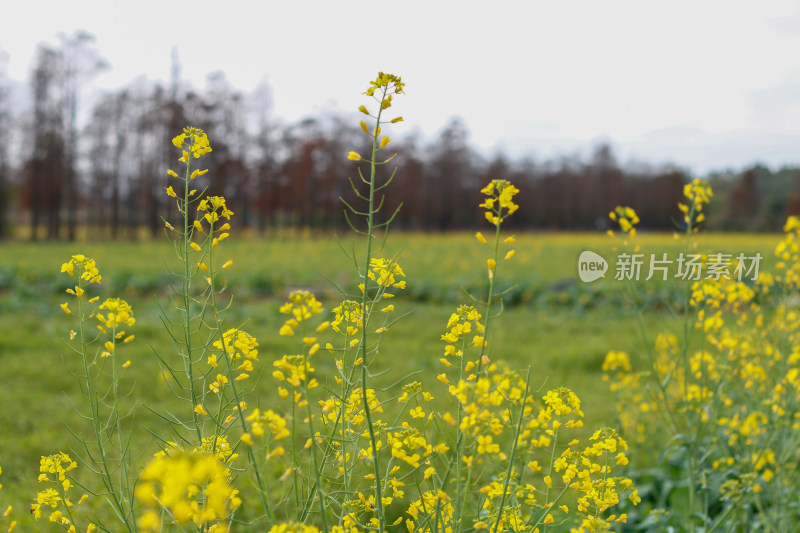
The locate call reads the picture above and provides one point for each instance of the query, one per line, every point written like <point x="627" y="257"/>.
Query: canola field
<point x="552" y="322"/>
<point x="429" y="383"/>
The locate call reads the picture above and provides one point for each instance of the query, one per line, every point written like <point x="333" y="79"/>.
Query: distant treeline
<point x="107" y="171"/>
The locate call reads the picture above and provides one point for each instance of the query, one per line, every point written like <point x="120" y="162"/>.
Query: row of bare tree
<point x="107" y="171"/>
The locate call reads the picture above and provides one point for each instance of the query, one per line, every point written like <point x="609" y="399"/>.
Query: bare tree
<point x="109" y="134"/>
<point x="80" y="62"/>
<point x="452" y="178"/>
<point x="44" y="169"/>
<point x="5" y="131"/>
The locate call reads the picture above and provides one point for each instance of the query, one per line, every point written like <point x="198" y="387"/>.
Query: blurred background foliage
<point x="81" y="164"/>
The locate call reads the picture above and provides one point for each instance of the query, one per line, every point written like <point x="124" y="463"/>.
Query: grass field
<point x="558" y="326"/>
<point x="439" y="267"/>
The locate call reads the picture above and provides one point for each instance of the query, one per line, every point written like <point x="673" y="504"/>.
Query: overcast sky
<point x="704" y="84"/>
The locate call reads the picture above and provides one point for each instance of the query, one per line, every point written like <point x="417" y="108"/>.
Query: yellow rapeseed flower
<point x="190" y="487"/>
<point x="626" y="218"/>
<point x="499" y="203"/>
<point x="193" y="139"/>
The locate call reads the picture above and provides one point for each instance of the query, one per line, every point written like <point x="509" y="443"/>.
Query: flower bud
<point x="354" y="156"/>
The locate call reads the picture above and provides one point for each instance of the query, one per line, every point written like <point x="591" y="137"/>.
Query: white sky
<point x="704" y="84"/>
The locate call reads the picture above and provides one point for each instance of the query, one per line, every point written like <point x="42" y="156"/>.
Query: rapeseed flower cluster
<point x="294" y="370"/>
<point x="534" y="492"/>
<point x="302" y="305"/>
<point x="102" y="393"/>
<point x="85" y="271"/>
<point x="384" y="273"/>
<point x="465" y="322"/>
<point x="212" y="209"/>
<point x="186" y="488"/>
<point x="386" y="86"/>
<point x="499" y="203"/>
<point x="729" y="403"/>
<point x="194" y="140"/>
<point x="273" y="421"/>
<point x="298" y="527"/>
<point x="53" y="470"/>
<point x="697" y="193"/>
<point x="499" y="427"/>
<point x="112" y="314"/>
<point x="349" y="321"/>
<point x="788" y="254"/>
<point x="627" y="219"/>
<point x="338" y="451"/>
<point x="118" y="313"/>
<point x="393" y="84"/>
<point x="351" y="413"/>
<point x="239" y="350"/>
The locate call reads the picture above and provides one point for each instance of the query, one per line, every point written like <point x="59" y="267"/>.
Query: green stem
<point x="686" y="373"/>
<point x="460" y="499"/>
<point x="550" y="471"/>
<point x="488" y="307"/>
<point x="344" y="398"/>
<point x="262" y="488"/>
<point x="317" y="470"/>
<point x="188" y="364"/>
<point x="95" y="408"/>
<point x="124" y="481"/>
<point x="662" y="386"/>
<point x="366" y="313"/>
<point x="295" y="466"/>
<point x="513" y="452"/>
<point x="68" y="508"/>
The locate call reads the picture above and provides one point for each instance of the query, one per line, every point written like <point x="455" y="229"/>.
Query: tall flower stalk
<point x="107" y="426"/>
<point x="193" y="143"/>
<point x="227" y="354"/>
<point x="381" y="90"/>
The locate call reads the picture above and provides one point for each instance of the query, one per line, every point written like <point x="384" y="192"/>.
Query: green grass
<point x="560" y="329"/>
<point x="439" y="267"/>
